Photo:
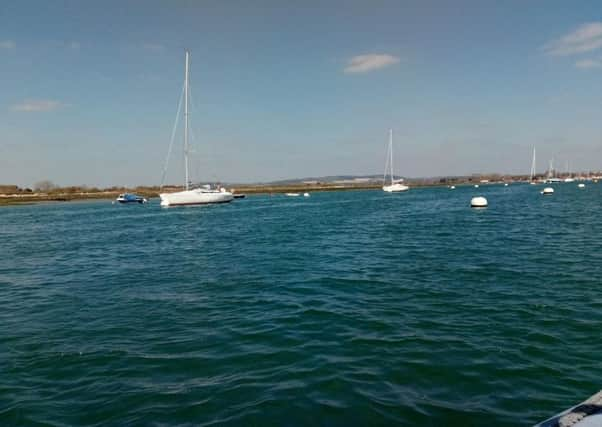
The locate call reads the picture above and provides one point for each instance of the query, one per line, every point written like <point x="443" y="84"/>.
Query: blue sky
<point x="89" y="90"/>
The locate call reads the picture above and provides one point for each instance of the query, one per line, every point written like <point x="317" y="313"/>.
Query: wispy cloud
<point x="7" y="44"/>
<point x="585" y="38"/>
<point x="37" y="105"/>
<point x="370" y="62"/>
<point x="586" y="64"/>
<point x="156" y="47"/>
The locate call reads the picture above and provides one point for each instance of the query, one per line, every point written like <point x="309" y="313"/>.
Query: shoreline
<point x="36" y="198"/>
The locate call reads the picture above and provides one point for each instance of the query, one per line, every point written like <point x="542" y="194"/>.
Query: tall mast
<point x="186" y="120"/>
<point x="391" y="151"/>
<point x="533" y="165"/>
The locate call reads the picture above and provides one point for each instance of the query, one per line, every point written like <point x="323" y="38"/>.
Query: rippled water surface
<point x="345" y="308"/>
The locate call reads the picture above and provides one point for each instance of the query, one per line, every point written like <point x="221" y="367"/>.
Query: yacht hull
<point x="128" y="202"/>
<point x="195" y="197"/>
<point x="395" y="188"/>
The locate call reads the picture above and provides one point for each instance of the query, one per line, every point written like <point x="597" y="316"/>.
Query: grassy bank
<point x="149" y="192"/>
<point x="74" y="193"/>
<point x="19" y="199"/>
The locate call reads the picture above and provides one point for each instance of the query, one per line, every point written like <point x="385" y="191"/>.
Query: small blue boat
<point x="130" y="198"/>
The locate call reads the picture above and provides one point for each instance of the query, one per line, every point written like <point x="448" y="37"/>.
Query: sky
<point x="89" y="90"/>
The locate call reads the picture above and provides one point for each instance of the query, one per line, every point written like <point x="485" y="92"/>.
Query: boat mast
<point x="391" y="151"/>
<point x="186" y="121"/>
<point x="533" y="165"/>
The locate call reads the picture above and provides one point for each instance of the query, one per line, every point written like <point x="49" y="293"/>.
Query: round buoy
<point x="453" y="187"/>
<point x="476" y="186"/>
<point x="548" y="191"/>
<point x="581" y="185"/>
<point x="506" y="184"/>
<point x="305" y="194"/>
<point x="478" y="202"/>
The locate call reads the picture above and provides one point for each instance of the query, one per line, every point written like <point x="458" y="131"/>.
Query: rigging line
<point x="386" y="164"/>
<point x="195" y="141"/>
<point x="173" y="135"/>
<point x="199" y="158"/>
<point x="207" y="148"/>
<point x="194" y="151"/>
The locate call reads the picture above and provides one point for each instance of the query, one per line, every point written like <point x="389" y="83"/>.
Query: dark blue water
<point x="345" y="308"/>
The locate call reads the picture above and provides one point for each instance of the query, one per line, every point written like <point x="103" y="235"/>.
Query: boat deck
<point x="586" y="414"/>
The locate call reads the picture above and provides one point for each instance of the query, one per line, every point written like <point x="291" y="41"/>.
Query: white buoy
<point x="476" y="186"/>
<point x="548" y="191"/>
<point x="453" y="187"/>
<point x="305" y="194"/>
<point x="581" y="185"/>
<point x="506" y="184"/>
<point x="478" y="202"/>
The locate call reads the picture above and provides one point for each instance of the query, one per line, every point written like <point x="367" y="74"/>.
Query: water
<point x="345" y="308"/>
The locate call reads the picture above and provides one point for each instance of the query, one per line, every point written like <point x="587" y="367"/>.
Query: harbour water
<point x="344" y="308"/>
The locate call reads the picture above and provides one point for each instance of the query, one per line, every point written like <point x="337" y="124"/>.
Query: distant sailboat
<point x="569" y="176"/>
<point x="532" y="168"/>
<point x="551" y="174"/>
<point x="196" y="196"/>
<point x="396" y="185"/>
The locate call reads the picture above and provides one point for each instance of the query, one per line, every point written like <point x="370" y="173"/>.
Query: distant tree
<point x="44" y="186"/>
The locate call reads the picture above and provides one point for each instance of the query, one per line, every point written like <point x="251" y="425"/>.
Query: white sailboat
<point x="569" y="176"/>
<point x="532" y="168"/>
<point x="396" y="185"/>
<point x="551" y="174"/>
<point x="196" y="196"/>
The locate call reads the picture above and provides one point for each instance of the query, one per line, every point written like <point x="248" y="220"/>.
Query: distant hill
<point x="332" y="179"/>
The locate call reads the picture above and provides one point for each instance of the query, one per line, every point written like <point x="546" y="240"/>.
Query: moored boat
<point x="196" y="196"/>
<point x="396" y="185"/>
<point x="130" y="198"/>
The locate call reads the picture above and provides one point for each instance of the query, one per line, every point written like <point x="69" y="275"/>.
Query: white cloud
<point x="7" y="44"/>
<point x="37" y="105"/>
<point x="586" y="64"/>
<point x="370" y="62"/>
<point x="585" y="38"/>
